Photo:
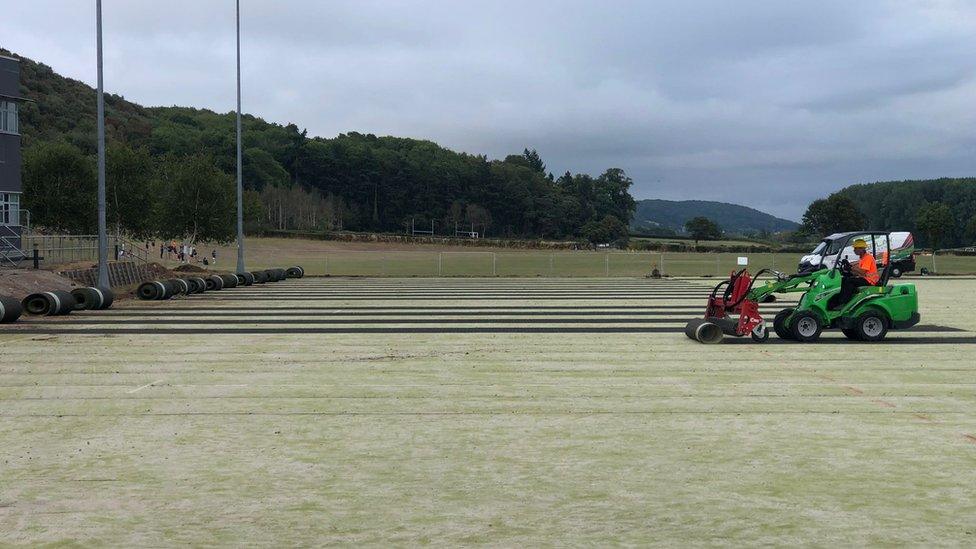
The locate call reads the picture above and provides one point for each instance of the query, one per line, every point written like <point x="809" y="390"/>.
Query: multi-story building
<point x="10" y="184"/>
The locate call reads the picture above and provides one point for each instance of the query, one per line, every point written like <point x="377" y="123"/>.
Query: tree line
<point x="940" y="212"/>
<point x="357" y="182"/>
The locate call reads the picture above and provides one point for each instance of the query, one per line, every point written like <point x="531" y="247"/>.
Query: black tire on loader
<point x="806" y="327"/>
<point x="871" y="326"/>
<point x="779" y="324"/>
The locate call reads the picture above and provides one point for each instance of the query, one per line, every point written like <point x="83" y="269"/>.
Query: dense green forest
<point x="654" y="215"/>
<point x="293" y="181"/>
<point x="940" y="212"/>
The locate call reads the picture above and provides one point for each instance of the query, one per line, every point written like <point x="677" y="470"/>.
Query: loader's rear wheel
<point x="806" y="327"/>
<point x="779" y="324"/>
<point x="871" y="326"/>
<point x="761" y="336"/>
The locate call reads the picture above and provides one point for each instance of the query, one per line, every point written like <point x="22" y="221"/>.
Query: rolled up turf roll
<point x="92" y="299"/>
<point x="54" y="303"/>
<point x="201" y="284"/>
<point x="281" y="273"/>
<point x="260" y="277"/>
<point x="180" y="286"/>
<point x="704" y="331"/>
<point x="191" y="286"/>
<point x="214" y="283"/>
<point x="10" y="309"/>
<point x="245" y="279"/>
<point x="295" y="272"/>
<point x="153" y="291"/>
<point x="230" y="280"/>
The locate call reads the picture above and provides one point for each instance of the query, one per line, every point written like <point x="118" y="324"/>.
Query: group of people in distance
<point x="183" y="253"/>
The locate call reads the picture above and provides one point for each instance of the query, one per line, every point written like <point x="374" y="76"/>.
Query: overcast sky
<point x="769" y="104"/>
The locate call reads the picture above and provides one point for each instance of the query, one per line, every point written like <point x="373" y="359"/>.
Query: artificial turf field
<point x="481" y="411"/>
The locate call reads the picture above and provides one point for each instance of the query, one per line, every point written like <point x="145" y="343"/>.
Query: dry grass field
<point x="505" y="412"/>
<point x="374" y="259"/>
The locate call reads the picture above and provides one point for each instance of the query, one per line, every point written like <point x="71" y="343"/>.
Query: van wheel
<point x="806" y="327"/>
<point x="871" y="326"/>
<point x="896" y="272"/>
<point x="852" y="334"/>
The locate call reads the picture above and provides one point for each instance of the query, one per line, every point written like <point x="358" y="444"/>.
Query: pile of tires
<point x="53" y="303"/>
<point x="92" y="299"/>
<point x="10" y="309"/>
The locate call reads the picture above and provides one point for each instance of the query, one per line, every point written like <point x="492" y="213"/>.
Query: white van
<point x="826" y="254"/>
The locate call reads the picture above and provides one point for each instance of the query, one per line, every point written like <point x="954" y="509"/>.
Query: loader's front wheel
<point x="806" y="327"/>
<point x="779" y="324"/>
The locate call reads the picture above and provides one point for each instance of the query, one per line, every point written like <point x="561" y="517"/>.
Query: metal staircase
<point x="11" y="242"/>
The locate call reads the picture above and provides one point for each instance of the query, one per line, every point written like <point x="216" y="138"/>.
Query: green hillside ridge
<point x="353" y="181"/>
<point x="656" y="214"/>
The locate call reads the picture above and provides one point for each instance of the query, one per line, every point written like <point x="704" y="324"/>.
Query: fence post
<point x="551" y="262"/>
<point x="382" y="264"/>
<point x="439" y="254"/>
<point x="662" y="263"/>
<point x="327" y="265"/>
<point x="37" y="262"/>
<point x="494" y="264"/>
<point x="606" y="260"/>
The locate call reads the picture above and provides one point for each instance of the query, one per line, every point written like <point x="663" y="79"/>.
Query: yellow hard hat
<point x="860" y="243"/>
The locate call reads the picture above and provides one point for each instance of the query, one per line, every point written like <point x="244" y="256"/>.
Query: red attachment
<point x="748" y="310"/>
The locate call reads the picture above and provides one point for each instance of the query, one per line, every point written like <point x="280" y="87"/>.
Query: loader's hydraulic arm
<point x="783" y="284"/>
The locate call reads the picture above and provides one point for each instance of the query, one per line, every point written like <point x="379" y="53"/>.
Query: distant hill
<point x="653" y="215"/>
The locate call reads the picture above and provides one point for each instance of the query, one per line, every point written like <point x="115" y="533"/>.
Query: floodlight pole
<point x="240" y="184"/>
<point x="103" y="281"/>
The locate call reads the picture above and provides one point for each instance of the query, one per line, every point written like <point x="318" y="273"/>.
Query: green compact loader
<point x="867" y="316"/>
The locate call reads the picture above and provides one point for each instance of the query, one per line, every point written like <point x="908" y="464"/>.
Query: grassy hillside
<point x="670" y="214"/>
<point x="354" y="181"/>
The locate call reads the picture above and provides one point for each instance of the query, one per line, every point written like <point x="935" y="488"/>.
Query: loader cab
<point x="896" y="248"/>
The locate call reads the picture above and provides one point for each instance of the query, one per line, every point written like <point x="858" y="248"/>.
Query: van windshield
<point x="819" y="249"/>
<point x="833" y="246"/>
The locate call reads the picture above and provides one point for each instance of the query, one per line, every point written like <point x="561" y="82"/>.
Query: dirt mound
<point x="187" y="268"/>
<point x="19" y="283"/>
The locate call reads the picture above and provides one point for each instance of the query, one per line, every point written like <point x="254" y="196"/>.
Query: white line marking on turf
<point x="137" y="389"/>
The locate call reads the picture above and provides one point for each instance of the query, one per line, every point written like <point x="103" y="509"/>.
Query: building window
<point x="8" y="117"/>
<point x="10" y="209"/>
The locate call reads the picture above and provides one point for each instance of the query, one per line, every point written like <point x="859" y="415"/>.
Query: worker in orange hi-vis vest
<point x="863" y="273"/>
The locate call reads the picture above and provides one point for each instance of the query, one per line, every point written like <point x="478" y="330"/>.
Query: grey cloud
<point x="767" y="103"/>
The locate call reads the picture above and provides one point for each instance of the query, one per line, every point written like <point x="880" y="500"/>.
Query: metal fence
<point x="53" y="250"/>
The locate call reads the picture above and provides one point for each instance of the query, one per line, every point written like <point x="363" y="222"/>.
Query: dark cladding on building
<point x="10" y="184"/>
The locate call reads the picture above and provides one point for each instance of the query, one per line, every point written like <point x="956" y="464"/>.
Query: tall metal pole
<point x="240" y="184"/>
<point x="103" y="281"/>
